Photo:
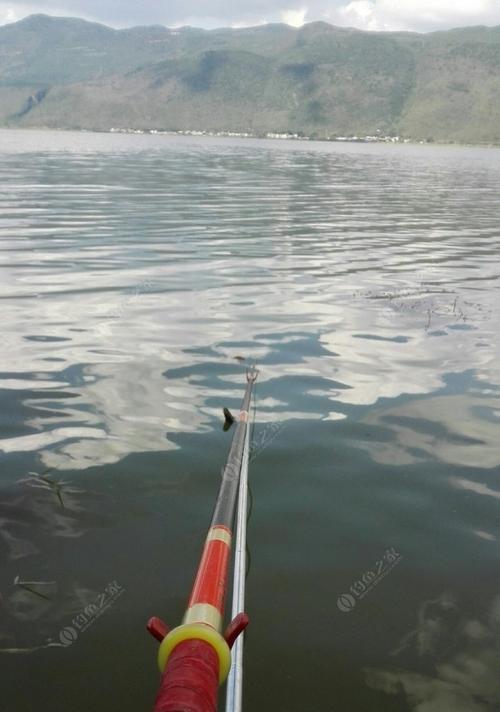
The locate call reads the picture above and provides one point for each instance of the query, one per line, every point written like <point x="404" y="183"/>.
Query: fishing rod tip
<point x="252" y="373"/>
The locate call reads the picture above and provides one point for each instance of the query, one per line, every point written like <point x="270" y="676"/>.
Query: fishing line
<point x="249" y="488"/>
<point x="247" y="547"/>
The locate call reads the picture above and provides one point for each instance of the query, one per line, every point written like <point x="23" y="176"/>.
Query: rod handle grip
<point x="191" y="679"/>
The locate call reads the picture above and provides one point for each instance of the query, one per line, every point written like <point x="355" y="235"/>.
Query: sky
<point x="414" y="15"/>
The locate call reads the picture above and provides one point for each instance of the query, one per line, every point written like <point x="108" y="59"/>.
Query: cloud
<point x="7" y="15"/>
<point x="126" y="13"/>
<point x="295" y="18"/>
<point x="359" y="13"/>
<point x="14" y="11"/>
<point x="419" y="15"/>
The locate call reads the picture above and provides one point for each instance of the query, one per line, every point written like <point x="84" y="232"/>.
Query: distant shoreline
<point x="314" y="83"/>
<point x="269" y="136"/>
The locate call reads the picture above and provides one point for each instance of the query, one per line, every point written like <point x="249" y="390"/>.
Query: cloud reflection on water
<point x="113" y="283"/>
<point x="464" y="654"/>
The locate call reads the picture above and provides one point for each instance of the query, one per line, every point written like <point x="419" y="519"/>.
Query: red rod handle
<point x="190" y="680"/>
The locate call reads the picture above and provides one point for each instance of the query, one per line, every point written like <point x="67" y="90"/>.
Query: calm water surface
<point x="364" y="280"/>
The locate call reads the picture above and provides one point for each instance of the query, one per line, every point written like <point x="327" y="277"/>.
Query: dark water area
<point x="364" y="282"/>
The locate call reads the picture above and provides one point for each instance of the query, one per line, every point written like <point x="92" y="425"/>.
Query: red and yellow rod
<point x="195" y="657"/>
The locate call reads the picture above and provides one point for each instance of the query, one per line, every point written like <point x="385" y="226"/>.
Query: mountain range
<point x="318" y="80"/>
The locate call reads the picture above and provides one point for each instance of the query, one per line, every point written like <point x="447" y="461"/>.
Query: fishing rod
<point x="195" y="657"/>
<point x="234" y="687"/>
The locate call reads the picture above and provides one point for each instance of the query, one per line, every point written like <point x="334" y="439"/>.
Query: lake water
<point x="364" y="281"/>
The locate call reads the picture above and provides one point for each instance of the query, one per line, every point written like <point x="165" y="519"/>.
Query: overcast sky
<point x="419" y="15"/>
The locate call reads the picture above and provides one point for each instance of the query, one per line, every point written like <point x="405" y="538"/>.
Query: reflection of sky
<point x="442" y="427"/>
<point x="465" y="657"/>
<point x="131" y="278"/>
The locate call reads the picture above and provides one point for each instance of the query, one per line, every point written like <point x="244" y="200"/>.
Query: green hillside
<point x="319" y="80"/>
